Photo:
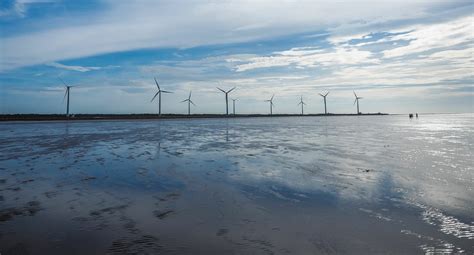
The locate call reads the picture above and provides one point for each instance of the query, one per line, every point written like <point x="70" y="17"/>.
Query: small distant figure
<point x="416" y="115"/>
<point x="410" y="115"/>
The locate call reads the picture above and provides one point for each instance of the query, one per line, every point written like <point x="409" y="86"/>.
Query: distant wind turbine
<point x="158" y="93"/>
<point x="357" y="101"/>
<point x="324" y="96"/>
<point x="66" y="94"/>
<point x="302" y="105"/>
<point x="233" y="105"/>
<point x="189" y="103"/>
<point x="271" y="104"/>
<point x="226" y="99"/>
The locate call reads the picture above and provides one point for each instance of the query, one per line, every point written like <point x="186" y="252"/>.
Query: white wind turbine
<point x="302" y="105"/>
<point x="189" y="103"/>
<point x="271" y="104"/>
<point x="357" y="101"/>
<point x="66" y="95"/>
<point x="158" y="93"/>
<point x="226" y="98"/>
<point x="324" y="96"/>
<point x="233" y="105"/>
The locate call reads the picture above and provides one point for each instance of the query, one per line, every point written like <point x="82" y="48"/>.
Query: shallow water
<point x="289" y="185"/>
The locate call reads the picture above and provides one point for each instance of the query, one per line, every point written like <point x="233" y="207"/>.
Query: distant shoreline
<point x="52" y="117"/>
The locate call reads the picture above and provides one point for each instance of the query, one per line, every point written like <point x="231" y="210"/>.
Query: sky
<point x="399" y="56"/>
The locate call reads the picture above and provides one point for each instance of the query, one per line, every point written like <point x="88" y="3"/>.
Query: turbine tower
<point x="302" y="105"/>
<point x="271" y="104"/>
<point x="158" y="93"/>
<point x="189" y="103"/>
<point x="226" y="99"/>
<point x="357" y="101"/>
<point x="233" y="105"/>
<point x="66" y="94"/>
<point x="325" y="108"/>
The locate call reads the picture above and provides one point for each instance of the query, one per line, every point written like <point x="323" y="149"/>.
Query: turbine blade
<point x="155" y="96"/>
<point x="184" y="100"/>
<point x="354" y="93"/>
<point x="359" y="97"/>
<point x="164" y="91"/>
<point x="220" y="89"/>
<point x="65" y="94"/>
<point x="231" y="90"/>
<point x="192" y="102"/>
<point x="321" y="94"/>
<point x="189" y="95"/>
<point x="355" y="101"/>
<point x="272" y="97"/>
<point x="157" y="83"/>
<point x="62" y="81"/>
<point x="326" y="94"/>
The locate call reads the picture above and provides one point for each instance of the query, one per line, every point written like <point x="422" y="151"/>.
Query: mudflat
<point x="281" y="185"/>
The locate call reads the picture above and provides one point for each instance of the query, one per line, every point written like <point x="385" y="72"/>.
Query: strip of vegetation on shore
<point x="47" y="117"/>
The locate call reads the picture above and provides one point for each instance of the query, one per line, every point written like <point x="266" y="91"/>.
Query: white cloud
<point x="434" y="36"/>
<point x="340" y="39"/>
<point x="128" y="25"/>
<point x="447" y="48"/>
<point x="438" y="57"/>
<point x="73" y="68"/>
<point x="20" y="7"/>
<point x="459" y="56"/>
<point x="301" y="57"/>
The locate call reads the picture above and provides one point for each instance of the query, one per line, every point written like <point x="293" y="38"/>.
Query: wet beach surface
<point x="283" y="185"/>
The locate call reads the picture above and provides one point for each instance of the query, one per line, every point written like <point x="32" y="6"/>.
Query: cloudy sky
<point x="400" y="56"/>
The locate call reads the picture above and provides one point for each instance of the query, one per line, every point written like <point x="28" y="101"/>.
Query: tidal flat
<point x="280" y="185"/>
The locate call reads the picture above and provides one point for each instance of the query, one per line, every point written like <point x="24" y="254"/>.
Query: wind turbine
<point x="189" y="103"/>
<point x="66" y="94"/>
<point x="233" y="105"/>
<point x="271" y="104"/>
<point x="357" y="101"/>
<point x="324" y="96"/>
<point x="302" y="105"/>
<point x="158" y="93"/>
<point x="226" y="99"/>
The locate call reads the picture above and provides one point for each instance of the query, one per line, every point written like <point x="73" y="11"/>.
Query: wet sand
<point x="283" y="185"/>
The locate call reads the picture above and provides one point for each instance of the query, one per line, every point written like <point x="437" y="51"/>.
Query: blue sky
<point x="400" y="56"/>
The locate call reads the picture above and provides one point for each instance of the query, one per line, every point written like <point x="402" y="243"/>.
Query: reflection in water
<point x="226" y="130"/>
<point x="65" y="153"/>
<point x="241" y="185"/>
